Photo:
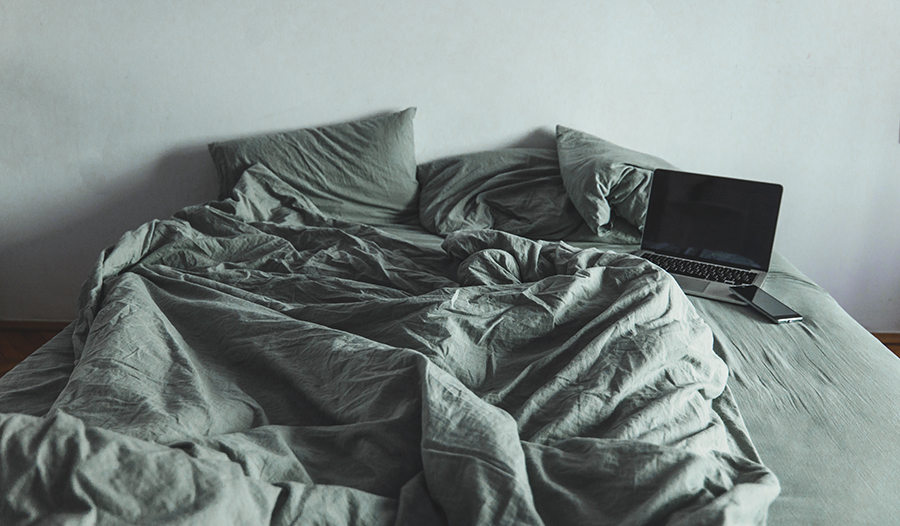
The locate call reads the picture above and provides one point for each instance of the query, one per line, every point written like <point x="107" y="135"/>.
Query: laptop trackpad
<point x="691" y="284"/>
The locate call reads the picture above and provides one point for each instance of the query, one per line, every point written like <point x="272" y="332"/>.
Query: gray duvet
<point x="252" y="362"/>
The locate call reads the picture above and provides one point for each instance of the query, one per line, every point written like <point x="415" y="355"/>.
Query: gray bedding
<point x="252" y="361"/>
<point x="820" y="400"/>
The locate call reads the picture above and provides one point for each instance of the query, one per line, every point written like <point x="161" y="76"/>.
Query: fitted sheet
<point x="820" y="400"/>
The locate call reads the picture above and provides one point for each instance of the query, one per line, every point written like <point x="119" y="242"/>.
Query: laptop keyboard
<point x="731" y="276"/>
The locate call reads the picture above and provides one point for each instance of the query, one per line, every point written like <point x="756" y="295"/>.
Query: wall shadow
<point x="536" y="138"/>
<point x="42" y="275"/>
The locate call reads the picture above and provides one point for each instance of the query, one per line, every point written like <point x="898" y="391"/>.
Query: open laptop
<point x="711" y="232"/>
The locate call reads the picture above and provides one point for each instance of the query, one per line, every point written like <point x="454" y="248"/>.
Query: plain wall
<point x="106" y="107"/>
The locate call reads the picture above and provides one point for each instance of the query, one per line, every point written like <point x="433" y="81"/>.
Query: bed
<point x="349" y="337"/>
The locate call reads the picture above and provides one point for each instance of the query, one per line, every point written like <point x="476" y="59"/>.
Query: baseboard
<point x="33" y="325"/>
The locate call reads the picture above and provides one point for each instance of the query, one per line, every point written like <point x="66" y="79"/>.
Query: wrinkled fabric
<point x="606" y="181"/>
<point x="515" y="190"/>
<point x="252" y="361"/>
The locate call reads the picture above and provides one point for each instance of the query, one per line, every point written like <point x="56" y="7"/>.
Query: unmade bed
<point x="349" y="337"/>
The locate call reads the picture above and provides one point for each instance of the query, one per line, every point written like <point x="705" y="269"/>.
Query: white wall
<point x="106" y="107"/>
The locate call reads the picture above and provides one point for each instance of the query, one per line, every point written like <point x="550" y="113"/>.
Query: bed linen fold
<point x="252" y="361"/>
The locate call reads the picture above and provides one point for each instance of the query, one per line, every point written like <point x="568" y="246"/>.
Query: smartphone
<point x="766" y="304"/>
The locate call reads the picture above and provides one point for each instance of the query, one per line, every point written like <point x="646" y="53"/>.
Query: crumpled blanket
<point x="252" y="361"/>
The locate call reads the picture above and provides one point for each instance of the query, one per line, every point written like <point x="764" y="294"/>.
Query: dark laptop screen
<point x="714" y="219"/>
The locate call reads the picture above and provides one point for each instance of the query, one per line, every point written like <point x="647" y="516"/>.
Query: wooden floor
<point x="890" y="339"/>
<point x="19" y="339"/>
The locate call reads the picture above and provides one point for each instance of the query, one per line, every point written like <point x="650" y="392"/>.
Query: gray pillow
<point x="603" y="179"/>
<point x="362" y="171"/>
<point x="515" y="190"/>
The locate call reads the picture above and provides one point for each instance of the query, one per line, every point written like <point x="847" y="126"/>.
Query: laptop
<point x="711" y="232"/>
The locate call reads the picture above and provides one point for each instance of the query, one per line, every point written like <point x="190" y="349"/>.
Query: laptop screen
<point x="714" y="219"/>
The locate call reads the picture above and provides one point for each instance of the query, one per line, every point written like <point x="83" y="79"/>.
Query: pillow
<point x="515" y="190"/>
<point x="362" y="171"/>
<point x="603" y="179"/>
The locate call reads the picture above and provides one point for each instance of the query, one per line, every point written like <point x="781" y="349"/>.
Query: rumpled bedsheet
<point x="252" y="361"/>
